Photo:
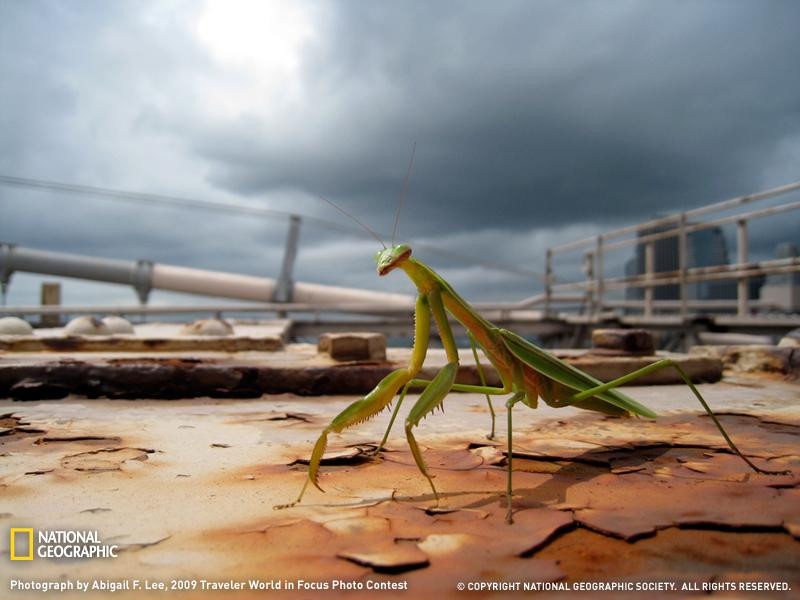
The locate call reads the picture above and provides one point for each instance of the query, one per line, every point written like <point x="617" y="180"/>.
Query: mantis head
<point x="389" y="258"/>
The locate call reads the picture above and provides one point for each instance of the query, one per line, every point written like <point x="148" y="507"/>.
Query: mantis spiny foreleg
<point x="374" y="402"/>
<point x="431" y="398"/>
<point x="397" y="406"/>
<point x="438" y="388"/>
<point x="423" y="383"/>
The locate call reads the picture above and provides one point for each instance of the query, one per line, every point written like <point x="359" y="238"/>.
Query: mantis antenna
<point x="404" y="192"/>
<point x="347" y="214"/>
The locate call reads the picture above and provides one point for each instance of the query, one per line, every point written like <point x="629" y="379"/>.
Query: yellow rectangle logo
<point x="13" y="534"/>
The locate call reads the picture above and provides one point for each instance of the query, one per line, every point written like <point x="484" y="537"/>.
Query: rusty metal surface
<point x="298" y="368"/>
<point x="154" y="337"/>
<point x="187" y="489"/>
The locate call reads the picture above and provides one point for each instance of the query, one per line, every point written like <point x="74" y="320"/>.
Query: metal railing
<point x="592" y="294"/>
<point x="596" y="285"/>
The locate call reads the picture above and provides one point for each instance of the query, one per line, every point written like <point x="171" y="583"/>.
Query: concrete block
<point x="353" y="346"/>
<point x="754" y="359"/>
<point x="623" y="341"/>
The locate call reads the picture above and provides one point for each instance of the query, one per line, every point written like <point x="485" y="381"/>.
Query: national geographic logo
<point x="23" y="551"/>
<point x="57" y="543"/>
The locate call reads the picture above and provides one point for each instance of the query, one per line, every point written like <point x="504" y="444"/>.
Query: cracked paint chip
<point x="358" y="525"/>
<point x="638" y="506"/>
<point x="697" y="467"/>
<point x="388" y="557"/>
<point x="489" y="455"/>
<point x="443" y="544"/>
<point x="106" y="459"/>
<point x="290" y="416"/>
<point x="460" y="459"/>
<point x="95" y="439"/>
<point x="729" y="467"/>
<point x="533" y="528"/>
<point x="361" y="527"/>
<point x="621" y="470"/>
<point x="588" y="458"/>
<point x="672" y="431"/>
<point x="345" y="456"/>
<point x="274" y="416"/>
<point x="618" y="523"/>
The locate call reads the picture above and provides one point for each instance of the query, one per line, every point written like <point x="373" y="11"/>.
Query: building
<point x="705" y="248"/>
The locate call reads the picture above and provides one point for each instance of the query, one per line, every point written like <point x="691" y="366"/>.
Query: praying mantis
<point x="526" y="371"/>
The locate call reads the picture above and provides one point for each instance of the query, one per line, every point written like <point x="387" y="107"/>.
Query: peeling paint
<point x="594" y="497"/>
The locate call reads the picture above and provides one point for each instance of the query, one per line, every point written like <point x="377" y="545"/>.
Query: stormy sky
<point x="535" y="123"/>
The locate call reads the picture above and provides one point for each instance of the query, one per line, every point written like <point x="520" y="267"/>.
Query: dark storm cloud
<point x="535" y="122"/>
<point x="530" y="114"/>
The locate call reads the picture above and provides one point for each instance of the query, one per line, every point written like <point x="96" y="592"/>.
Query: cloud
<point x="535" y="123"/>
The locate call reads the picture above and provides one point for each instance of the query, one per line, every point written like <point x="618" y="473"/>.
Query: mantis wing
<point x="567" y="375"/>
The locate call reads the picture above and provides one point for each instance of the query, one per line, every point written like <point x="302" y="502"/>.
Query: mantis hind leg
<point x="432" y="397"/>
<point x="483" y="380"/>
<point x="663" y="364"/>
<point x="509" y="488"/>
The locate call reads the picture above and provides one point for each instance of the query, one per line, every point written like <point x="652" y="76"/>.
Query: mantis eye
<point x="378" y="255"/>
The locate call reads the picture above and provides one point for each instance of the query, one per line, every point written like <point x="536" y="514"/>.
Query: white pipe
<point x="146" y="275"/>
<point x="260" y="289"/>
<point x="212" y="283"/>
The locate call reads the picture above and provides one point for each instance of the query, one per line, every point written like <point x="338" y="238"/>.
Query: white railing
<point x="596" y="284"/>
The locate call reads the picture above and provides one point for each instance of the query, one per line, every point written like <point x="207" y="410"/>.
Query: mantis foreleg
<point x="431" y="398"/>
<point x="374" y="402"/>
<point x="437" y="389"/>
<point x="456" y="387"/>
<point x="394" y="413"/>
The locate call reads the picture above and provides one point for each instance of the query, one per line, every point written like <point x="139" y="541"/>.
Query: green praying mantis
<point x="526" y="371"/>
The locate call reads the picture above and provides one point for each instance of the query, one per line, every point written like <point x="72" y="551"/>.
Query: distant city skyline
<point x="705" y="248"/>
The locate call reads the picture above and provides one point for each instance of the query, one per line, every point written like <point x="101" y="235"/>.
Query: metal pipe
<point x="548" y="280"/>
<point x="742" y="291"/>
<point x="144" y="276"/>
<point x="649" y="273"/>
<point x="683" y="265"/>
<point x="285" y="287"/>
<point x="63" y="264"/>
<point x="599" y="275"/>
